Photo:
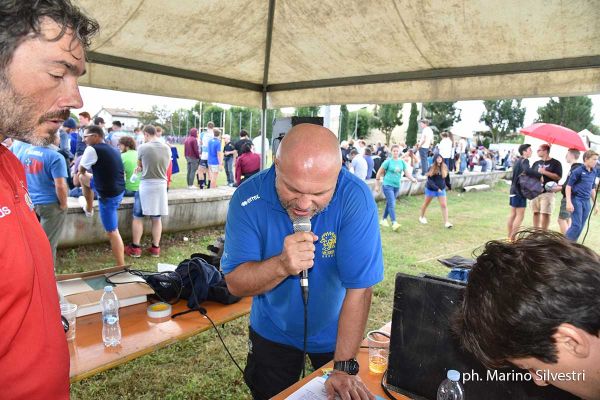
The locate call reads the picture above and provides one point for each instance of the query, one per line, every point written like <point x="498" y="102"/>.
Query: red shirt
<point x="247" y="163"/>
<point x="34" y="357"/>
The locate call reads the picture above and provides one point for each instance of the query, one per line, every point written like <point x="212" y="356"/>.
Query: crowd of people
<point x="533" y="302"/>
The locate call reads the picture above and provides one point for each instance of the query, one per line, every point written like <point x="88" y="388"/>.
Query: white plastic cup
<point x="69" y="311"/>
<point x="379" y="349"/>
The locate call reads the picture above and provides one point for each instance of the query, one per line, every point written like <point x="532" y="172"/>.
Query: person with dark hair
<point x="580" y="190"/>
<point x="228" y="155"/>
<point x="127" y="147"/>
<point x="99" y="121"/>
<point x="192" y="156"/>
<point x="551" y="170"/>
<point x="246" y="164"/>
<point x="42" y="54"/>
<point x="104" y="163"/>
<point x="535" y="303"/>
<point x="518" y="202"/>
<point x="240" y="143"/>
<point x="436" y="187"/>
<point x="391" y="171"/>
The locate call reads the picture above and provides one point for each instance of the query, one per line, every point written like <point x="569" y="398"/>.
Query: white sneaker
<point x="395" y="226"/>
<point x="192" y="187"/>
<point x="423" y="220"/>
<point x="384" y="222"/>
<point x="448" y="225"/>
<point x="83" y="204"/>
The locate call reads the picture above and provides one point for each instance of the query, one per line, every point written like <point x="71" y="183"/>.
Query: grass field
<point x="198" y="368"/>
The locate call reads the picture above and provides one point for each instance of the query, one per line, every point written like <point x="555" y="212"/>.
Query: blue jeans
<point x="390" y="194"/>
<point x="579" y="217"/>
<point x="463" y="163"/>
<point x="229" y="169"/>
<point x="424" y="165"/>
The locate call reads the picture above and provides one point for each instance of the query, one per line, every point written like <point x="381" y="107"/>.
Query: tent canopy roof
<point x="340" y="52"/>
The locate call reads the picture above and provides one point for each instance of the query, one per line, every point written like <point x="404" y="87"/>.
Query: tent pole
<point x="263" y="131"/>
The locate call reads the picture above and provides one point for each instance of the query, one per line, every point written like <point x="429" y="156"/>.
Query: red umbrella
<point x="555" y="134"/>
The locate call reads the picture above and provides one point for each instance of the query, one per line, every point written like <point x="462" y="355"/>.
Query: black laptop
<point x="423" y="348"/>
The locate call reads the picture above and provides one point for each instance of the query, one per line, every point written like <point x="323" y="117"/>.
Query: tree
<point x="502" y="117"/>
<point x="386" y="117"/>
<point x="413" y="127"/>
<point x="311" y="111"/>
<point x="214" y="113"/>
<point x="573" y="112"/>
<point x="443" y="115"/>
<point x="344" y="116"/>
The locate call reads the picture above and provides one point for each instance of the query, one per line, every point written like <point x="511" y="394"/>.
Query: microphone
<point x="302" y="224"/>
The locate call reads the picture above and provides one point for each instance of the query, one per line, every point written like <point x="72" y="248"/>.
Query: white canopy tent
<point x="272" y="54"/>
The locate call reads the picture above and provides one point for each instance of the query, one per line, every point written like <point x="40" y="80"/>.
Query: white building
<point x="129" y="119"/>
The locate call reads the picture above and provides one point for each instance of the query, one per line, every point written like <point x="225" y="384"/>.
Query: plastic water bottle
<point x="111" y="330"/>
<point x="451" y="389"/>
<point x="134" y="177"/>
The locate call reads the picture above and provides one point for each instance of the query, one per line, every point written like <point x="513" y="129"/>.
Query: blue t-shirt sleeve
<point x="574" y="177"/>
<point x="359" y="255"/>
<point x="58" y="166"/>
<point x="242" y="238"/>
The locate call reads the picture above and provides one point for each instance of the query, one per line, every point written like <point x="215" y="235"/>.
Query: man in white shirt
<point x="360" y="167"/>
<point x="424" y="144"/>
<point x="445" y="148"/>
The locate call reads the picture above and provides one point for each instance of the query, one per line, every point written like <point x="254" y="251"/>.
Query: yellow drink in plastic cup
<point x="379" y="349"/>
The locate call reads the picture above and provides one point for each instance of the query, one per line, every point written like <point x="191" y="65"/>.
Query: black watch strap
<point x="350" y="367"/>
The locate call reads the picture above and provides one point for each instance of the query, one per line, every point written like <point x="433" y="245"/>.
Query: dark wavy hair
<point x="127" y="142"/>
<point x="21" y="19"/>
<point x="519" y="293"/>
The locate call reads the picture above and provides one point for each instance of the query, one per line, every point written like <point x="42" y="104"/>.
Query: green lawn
<point x="198" y="368"/>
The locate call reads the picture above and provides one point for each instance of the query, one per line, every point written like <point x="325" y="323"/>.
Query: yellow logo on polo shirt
<point x="328" y="240"/>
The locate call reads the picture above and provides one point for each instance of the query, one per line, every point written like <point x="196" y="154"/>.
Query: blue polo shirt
<point x="582" y="181"/>
<point x="42" y="165"/>
<point x="347" y="256"/>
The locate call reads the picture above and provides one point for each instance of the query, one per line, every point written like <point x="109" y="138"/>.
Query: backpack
<point x="202" y="281"/>
<point x="529" y="186"/>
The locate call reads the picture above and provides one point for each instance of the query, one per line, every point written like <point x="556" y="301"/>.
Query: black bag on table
<point x="202" y="281"/>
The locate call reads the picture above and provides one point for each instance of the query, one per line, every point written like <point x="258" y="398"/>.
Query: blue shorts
<point x="137" y="207"/>
<point x="435" y="193"/>
<point x="517" y="201"/>
<point x="108" y="211"/>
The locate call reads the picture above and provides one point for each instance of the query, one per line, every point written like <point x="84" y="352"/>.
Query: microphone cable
<point x="305" y="301"/>
<point x="204" y="313"/>
<point x="590" y="215"/>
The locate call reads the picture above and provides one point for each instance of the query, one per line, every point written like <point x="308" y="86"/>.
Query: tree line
<point x="503" y="118"/>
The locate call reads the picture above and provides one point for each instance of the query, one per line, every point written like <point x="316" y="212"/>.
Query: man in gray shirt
<point x="151" y="200"/>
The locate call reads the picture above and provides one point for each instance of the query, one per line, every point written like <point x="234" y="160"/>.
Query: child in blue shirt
<point x="580" y="187"/>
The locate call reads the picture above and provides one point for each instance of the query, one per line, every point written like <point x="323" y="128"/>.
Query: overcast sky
<point x="95" y="99"/>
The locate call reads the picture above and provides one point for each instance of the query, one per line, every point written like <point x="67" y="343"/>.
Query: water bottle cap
<point x="453" y="375"/>
<point x="108" y="289"/>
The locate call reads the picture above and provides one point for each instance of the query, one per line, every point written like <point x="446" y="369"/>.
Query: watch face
<point x="353" y="367"/>
<point x="350" y="367"/>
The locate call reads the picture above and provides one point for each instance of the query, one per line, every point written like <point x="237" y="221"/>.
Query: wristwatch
<point x="350" y="367"/>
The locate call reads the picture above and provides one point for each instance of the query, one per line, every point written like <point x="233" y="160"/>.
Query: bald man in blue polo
<point x="342" y="254"/>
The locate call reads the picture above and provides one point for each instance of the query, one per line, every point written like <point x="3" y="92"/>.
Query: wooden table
<point x="373" y="381"/>
<point x="141" y="335"/>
